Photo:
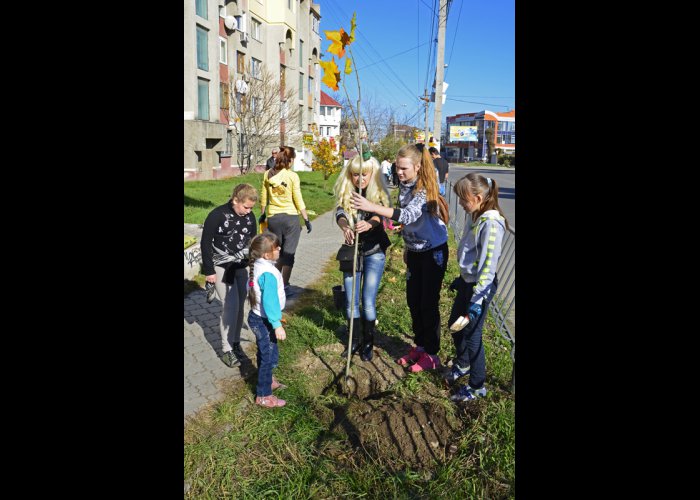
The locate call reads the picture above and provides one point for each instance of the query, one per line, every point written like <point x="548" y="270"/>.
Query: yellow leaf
<point x="331" y="73"/>
<point x="348" y="66"/>
<point x="340" y="39"/>
<point x="353" y="25"/>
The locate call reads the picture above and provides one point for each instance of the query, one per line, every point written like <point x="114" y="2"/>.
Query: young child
<point x="477" y="254"/>
<point x="424" y="215"/>
<point x="226" y="235"/>
<point x="267" y="300"/>
<point x="371" y="248"/>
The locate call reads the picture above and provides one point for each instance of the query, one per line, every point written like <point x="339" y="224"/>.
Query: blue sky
<point x="481" y="65"/>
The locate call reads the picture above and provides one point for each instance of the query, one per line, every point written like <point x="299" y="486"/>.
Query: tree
<point x="376" y="122"/>
<point x="388" y="147"/>
<point x="326" y="159"/>
<point x="257" y="110"/>
<point x="489" y="141"/>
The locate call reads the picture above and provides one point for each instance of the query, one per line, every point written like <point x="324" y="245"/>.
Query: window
<point x="323" y="111"/>
<point x="301" y="53"/>
<point x="314" y="24"/>
<point x="301" y="86"/>
<point x="223" y="50"/>
<point x="301" y="118"/>
<point x="255" y="29"/>
<point x="202" y="50"/>
<point x="223" y="95"/>
<point x="202" y="99"/>
<point x="255" y="68"/>
<point x="240" y="62"/>
<point x="201" y="8"/>
<point x="289" y="4"/>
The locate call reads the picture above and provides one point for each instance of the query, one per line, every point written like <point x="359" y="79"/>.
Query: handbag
<point x="344" y="257"/>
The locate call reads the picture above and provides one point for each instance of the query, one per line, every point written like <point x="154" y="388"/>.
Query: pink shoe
<point x="426" y="362"/>
<point x="269" y="401"/>
<point x="412" y="356"/>
<point x="276" y="384"/>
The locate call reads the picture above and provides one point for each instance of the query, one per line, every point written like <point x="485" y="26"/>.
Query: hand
<point x="280" y="333"/>
<point x="474" y="313"/>
<point x="262" y="217"/>
<point x="349" y="235"/>
<point x="211" y="278"/>
<point x="455" y="283"/>
<point x="360" y="203"/>
<point x="308" y="226"/>
<point x="363" y="226"/>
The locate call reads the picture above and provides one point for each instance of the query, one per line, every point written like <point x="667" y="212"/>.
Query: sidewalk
<point x="204" y="371"/>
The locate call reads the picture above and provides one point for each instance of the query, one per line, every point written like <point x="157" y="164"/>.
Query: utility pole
<point x="440" y="70"/>
<point x="426" y="98"/>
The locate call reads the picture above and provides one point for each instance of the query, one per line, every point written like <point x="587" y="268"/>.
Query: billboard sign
<point x="463" y="133"/>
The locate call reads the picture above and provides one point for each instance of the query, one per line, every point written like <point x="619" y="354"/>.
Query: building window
<point x="301" y="53"/>
<point x="289" y="4"/>
<point x="255" y="29"/>
<point x="301" y="86"/>
<point x="201" y="8"/>
<point x="323" y="111"/>
<point x="202" y="52"/>
<point x="223" y="51"/>
<point x="255" y="67"/>
<point x="240" y="62"/>
<point x="301" y="118"/>
<point x="223" y="95"/>
<point x="314" y="24"/>
<point x="202" y="99"/>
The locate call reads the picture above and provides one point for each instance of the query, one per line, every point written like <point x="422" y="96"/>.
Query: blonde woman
<point x="372" y="245"/>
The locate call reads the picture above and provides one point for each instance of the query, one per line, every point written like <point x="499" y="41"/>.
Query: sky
<point x="392" y="44"/>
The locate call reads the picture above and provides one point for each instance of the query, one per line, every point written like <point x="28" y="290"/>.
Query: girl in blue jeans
<point x="477" y="254"/>
<point x="365" y="174"/>
<point x="267" y="299"/>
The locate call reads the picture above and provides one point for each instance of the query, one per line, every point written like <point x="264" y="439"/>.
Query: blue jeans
<point x="268" y="353"/>
<point x="371" y="275"/>
<point x="468" y="341"/>
<point x="441" y="188"/>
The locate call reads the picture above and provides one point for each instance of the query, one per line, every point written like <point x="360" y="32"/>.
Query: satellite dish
<point x="230" y="22"/>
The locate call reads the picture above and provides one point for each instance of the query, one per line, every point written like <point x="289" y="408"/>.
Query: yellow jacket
<point x="282" y="192"/>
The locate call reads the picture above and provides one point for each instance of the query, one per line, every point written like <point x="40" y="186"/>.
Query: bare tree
<point x="376" y="122"/>
<point x="259" y="109"/>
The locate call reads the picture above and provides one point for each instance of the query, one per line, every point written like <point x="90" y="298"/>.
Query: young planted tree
<point x="258" y="109"/>
<point x="326" y="159"/>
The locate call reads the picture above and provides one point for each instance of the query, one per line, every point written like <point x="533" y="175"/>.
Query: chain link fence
<point x="502" y="305"/>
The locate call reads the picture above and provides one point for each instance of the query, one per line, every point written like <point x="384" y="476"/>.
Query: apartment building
<point x="230" y="41"/>
<point x="475" y="147"/>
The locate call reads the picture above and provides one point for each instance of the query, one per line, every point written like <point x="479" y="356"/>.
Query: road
<point x="506" y="186"/>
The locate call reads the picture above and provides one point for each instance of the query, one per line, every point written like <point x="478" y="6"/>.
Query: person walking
<point x="372" y="245"/>
<point x="281" y="201"/>
<point x="442" y="167"/>
<point x="267" y="300"/>
<point x="478" y="253"/>
<point x="226" y="235"/>
<point x="271" y="160"/>
<point x="424" y="215"/>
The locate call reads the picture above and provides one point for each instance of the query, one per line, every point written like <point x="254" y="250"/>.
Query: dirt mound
<point x="389" y="421"/>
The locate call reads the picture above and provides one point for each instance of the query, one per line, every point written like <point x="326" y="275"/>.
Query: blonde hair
<point x="260" y="245"/>
<point x="244" y="192"/>
<point x="427" y="180"/>
<point x="375" y="192"/>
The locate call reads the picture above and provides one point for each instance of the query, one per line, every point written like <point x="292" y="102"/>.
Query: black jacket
<point x="225" y="239"/>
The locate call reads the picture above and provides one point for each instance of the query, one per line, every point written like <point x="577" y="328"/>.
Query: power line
<point x="389" y="57"/>
<point x="454" y="38"/>
<point x="473" y="102"/>
<point x="485" y="96"/>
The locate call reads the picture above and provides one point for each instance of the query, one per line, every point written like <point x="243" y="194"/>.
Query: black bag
<point x="344" y="257"/>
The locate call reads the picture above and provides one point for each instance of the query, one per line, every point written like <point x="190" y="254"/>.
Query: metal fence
<point x="502" y="305"/>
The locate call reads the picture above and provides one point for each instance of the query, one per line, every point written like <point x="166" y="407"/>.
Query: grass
<point x="236" y="449"/>
<point x="203" y="196"/>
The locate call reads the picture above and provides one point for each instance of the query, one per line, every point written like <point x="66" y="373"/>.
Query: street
<point x="506" y="186"/>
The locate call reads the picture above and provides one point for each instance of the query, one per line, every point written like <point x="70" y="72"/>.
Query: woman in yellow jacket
<point x="281" y="197"/>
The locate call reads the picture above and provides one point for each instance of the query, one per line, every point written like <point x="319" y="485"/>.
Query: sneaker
<point x="269" y="401"/>
<point x="425" y="362"/>
<point x="230" y="359"/>
<point x="412" y="356"/>
<point x="456" y="373"/>
<point x="466" y="393"/>
<point x="238" y="352"/>
<point x="276" y="384"/>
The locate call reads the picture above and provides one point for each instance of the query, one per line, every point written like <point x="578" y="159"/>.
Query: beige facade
<point x="283" y="35"/>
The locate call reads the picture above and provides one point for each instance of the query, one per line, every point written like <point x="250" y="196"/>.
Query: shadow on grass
<point x="194" y="202"/>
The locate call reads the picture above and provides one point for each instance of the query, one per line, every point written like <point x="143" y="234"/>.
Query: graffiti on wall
<point x="193" y="256"/>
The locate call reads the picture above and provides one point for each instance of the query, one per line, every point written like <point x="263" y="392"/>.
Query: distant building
<point x="223" y="39"/>
<point x="404" y="132"/>
<point x="329" y="119"/>
<point x="504" y="135"/>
